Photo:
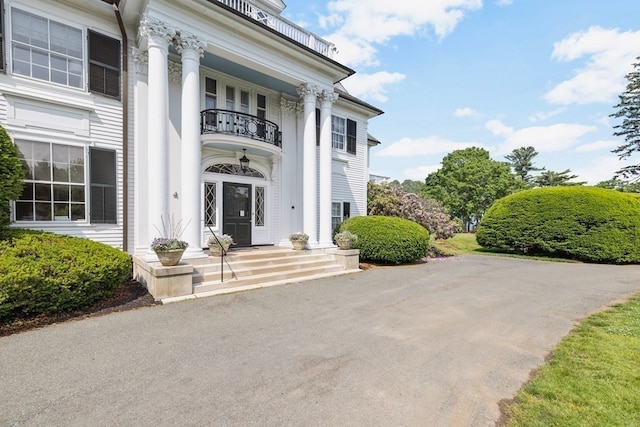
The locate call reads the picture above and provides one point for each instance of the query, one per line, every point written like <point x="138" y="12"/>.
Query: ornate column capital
<point x="141" y="59"/>
<point x="289" y="106"/>
<point x="152" y="28"/>
<point x="328" y="97"/>
<point x="307" y="90"/>
<point x="185" y="41"/>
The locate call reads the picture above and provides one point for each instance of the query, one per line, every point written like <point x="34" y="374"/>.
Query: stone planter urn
<point x="170" y="257"/>
<point x="299" y="245"/>
<point x="216" y="250"/>
<point x="344" y="244"/>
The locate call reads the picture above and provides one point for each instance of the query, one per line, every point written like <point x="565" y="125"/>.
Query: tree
<point x="554" y="179"/>
<point x="629" y="110"/>
<point x="390" y="200"/>
<point x="469" y="181"/>
<point x="620" y="185"/>
<point x="410" y="186"/>
<point x="11" y="176"/>
<point x="521" y="160"/>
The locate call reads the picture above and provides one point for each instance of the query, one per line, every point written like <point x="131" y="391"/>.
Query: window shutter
<point x="351" y="136"/>
<point x="2" y="63"/>
<point x="104" y="65"/>
<point x="102" y="165"/>
<point x="317" y="127"/>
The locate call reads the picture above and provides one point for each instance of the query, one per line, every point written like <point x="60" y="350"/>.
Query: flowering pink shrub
<point x="387" y="200"/>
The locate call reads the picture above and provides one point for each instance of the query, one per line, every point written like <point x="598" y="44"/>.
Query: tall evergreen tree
<point x="521" y="160"/>
<point x="11" y="176"/>
<point x="629" y="110"/>
<point x="554" y="179"/>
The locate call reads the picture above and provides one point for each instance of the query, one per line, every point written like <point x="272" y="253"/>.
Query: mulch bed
<point x="128" y="296"/>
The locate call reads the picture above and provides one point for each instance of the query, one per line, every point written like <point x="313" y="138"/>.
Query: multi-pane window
<point x="104" y="64"/>
<point x="45" y="49"/>
<point x="103" y="186"/>
<point x="54" y="188"/>
<point x="338" y="131"/>
<point x="336" y="214"/>
<point x="260" y="206"/>
<point x="211" y="92"/>
<point x="343" y="134"/>
<point x="2" y="65"/>
<point x="231" y="98"/>
<point x="244" y="101"/>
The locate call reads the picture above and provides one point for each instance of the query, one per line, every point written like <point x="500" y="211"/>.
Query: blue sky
<point x="497" y="74"/>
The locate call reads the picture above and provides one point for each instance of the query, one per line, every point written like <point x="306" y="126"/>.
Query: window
<point x="45" y="49"/>
<point x="261" y="112"/>
<point x="260" y="206"/>
<point x="102" y="165"/>
<point x="244" y="101"/>
<point x="346" y="211"/>
<point x="231" y="98"/>
<point x="343" y="130"/>
<point x="104" y="65"/>
<point x="2" y="65"/>
<point x="317" y="127"/>
<point x="351" y="136"/>
<point x="338" y="128"/>
<point x="54" y="188"/>
<point x="210" y="204"/>
<point x="336" y="214"/>
<point x="210" y="93"/>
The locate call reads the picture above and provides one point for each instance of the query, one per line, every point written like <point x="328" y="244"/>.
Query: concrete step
<point x="270" y="278"/>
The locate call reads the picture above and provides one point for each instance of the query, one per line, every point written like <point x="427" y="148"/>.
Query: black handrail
<point x="230" y="122"/>
<point x="223" y="258"/>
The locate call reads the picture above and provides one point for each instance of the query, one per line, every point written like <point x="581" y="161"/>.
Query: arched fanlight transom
<point x="234" y="169"/>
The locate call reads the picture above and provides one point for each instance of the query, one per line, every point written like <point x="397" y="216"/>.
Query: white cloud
<point x="597" y="146"/>
<point x="372" y="86"/>
<point x="465" y="112"/>
<point x="600" y="169"/>
<point x="609" y="54"/>
<point x="419" y="173"/>
<point x="357" y="26"/>
<point x="542" y="115"/>
<point x="407" y="147"/>
<point x="550" y="138"/>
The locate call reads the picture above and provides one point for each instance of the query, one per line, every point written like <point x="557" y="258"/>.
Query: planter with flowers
<point x="169" y="248"/>
<point x="299" y="240"/>
<point x="345" y="239"/>
<point x="219" y="244"/>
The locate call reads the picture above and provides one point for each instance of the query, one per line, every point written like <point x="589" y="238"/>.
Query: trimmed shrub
<point x="45" y="273"/>
<point x="388" y="239"/>
<point x="583" y="223"/>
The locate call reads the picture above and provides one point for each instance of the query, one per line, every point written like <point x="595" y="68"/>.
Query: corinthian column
<point x="158" y="35"/>
<point x="191" y="49"/>
<point x="309" y="184"/>
<point x="328" y="97"/>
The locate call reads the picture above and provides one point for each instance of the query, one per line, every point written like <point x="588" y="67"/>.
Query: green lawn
<point x="459" y="244"/>
<point x="592" y="379"/>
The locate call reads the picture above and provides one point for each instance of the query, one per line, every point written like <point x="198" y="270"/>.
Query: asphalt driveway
<point x="438" y="344"/>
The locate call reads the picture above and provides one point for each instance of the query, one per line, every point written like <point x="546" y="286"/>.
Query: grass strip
<point x="592" y="378"/>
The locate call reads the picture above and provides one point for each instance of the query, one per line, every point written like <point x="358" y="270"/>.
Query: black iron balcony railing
<point x="239" y="124"/>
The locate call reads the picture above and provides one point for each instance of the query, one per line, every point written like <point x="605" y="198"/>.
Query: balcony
<point x="239" y="124"/>
<point x="283" y="26"/>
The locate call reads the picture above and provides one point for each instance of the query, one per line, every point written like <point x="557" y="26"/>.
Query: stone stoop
<point x="243" y="269"/>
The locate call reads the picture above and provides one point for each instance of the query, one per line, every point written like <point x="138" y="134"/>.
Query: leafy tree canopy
<point x="629" y="110"/>
<point x="620" y="185"/>
<point x="469" y="181"/>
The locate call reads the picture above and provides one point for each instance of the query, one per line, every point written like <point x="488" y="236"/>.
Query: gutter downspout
<point x="125" y="127"/>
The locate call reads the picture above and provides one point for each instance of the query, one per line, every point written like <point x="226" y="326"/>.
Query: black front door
<point x="236" y="212"/>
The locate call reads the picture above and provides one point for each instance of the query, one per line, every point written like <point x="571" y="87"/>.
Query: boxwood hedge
<point x="45" y="273"/>
<point x="583" y="223"/>
<point x="388" y="239"/>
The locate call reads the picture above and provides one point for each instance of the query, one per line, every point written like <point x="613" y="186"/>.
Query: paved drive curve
<point x="437" y="344"/>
